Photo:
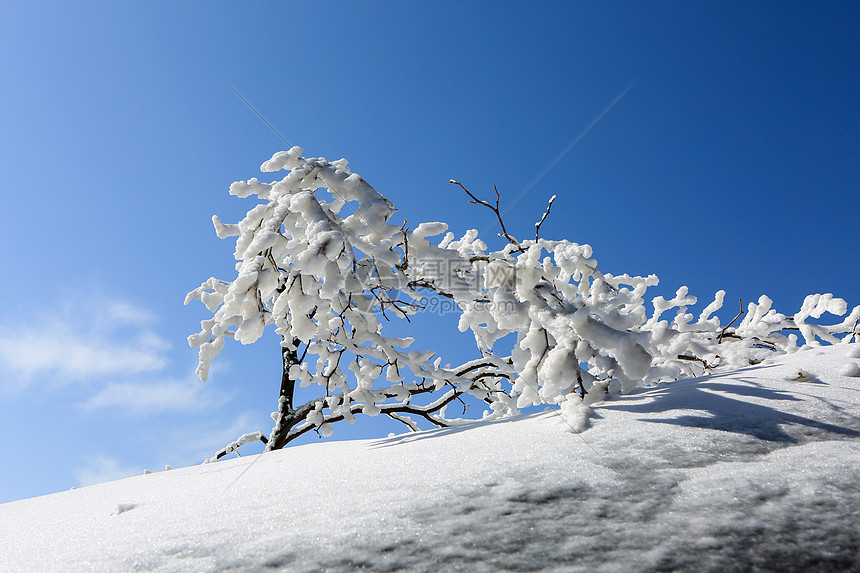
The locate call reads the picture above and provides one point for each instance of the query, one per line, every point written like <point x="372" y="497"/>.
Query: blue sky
<point x="732" y="163"/>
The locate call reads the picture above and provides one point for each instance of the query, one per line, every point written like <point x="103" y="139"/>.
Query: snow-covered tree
<point x="319" y="260"/>
<point x="326" y="271"/>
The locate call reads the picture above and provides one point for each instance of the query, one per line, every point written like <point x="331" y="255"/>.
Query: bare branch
<point x="495" y="210"/>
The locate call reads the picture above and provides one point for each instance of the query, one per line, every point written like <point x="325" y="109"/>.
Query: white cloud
<point x="108" y="346"/>
<point x="72" y="357"/>
<point x="102" y="469"/>
<point x="155" y="397"/>
<point x="81" y="340"/>
<point x="120" y="312"/>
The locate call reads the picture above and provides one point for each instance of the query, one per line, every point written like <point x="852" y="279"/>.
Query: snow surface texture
<point x="752" y="470"/>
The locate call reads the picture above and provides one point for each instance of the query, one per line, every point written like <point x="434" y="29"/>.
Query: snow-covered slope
<point x="757" y="469"/>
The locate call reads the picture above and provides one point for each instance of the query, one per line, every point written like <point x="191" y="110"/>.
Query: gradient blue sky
<point x="732" y="163"/>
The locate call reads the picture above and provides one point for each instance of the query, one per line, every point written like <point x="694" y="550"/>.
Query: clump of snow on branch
<point x="233" y="447"/>
<point x="319" y="261"/>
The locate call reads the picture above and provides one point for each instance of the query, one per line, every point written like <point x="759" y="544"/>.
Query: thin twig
<point x="542" y="219"/>
<point x="409" y="422"/>
<point x="424" y="283"/>
<point x="579" y="384"/>
<point x="720" y="339"/>
<point x="404" y="264"/>
<point x="695" y="359"/>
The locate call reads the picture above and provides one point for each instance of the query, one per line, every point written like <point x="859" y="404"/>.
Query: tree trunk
<point x="287" y="417"/>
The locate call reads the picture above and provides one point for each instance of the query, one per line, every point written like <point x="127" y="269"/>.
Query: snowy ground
<point x="754" y="470"/>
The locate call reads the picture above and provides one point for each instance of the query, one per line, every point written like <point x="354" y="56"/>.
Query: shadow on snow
<point x="722" y="412"/>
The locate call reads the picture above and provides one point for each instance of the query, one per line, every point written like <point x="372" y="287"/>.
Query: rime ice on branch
<point x="319" y="261"/>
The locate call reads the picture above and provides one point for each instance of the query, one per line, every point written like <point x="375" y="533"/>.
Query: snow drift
<point x="750" y="470"/>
